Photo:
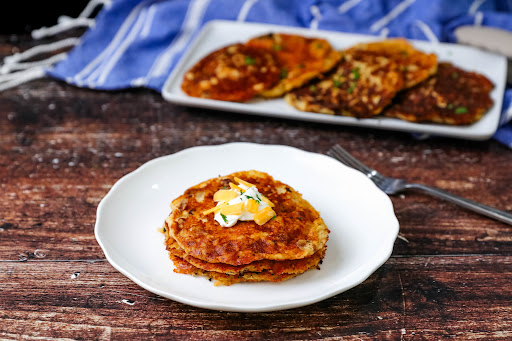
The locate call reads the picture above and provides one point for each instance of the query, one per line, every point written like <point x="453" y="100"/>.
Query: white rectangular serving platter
<point x="217" y="34"/>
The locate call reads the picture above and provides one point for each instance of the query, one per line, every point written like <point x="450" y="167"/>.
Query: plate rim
<point x="297" y="302"/>
<point x="381" y="123"/>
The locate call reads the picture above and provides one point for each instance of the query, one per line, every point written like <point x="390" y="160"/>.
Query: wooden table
<point x="62" y="148"/>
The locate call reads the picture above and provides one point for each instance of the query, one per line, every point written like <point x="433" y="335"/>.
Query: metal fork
<point x="393" y="186"/>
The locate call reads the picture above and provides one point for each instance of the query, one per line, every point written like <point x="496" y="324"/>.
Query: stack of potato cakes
<point x="290" y="243"/>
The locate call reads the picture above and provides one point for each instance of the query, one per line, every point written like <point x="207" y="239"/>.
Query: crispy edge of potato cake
<point x="234" y="73"/>
<point x="184" y="267"/>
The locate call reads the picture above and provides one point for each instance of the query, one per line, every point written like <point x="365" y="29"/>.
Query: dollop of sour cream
<point x="232" y="219"/>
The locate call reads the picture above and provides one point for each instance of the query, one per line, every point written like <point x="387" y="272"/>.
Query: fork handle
<point x="469" y="204"/>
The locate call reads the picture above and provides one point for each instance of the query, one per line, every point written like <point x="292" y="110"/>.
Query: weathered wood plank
<point x="428" y="297"/>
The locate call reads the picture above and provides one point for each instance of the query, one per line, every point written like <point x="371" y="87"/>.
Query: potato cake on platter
<point x="452" y="96"/>
<point x="361" y="86"/>
<point x="415" y="65"/>
<point x="300" y="58"/>
<point x="234" y="73"/>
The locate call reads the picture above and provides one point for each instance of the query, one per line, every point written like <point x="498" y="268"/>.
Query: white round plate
<point x="360" y="217"/>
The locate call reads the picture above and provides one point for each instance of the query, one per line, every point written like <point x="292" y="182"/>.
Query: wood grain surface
<point x="62" y="148"/>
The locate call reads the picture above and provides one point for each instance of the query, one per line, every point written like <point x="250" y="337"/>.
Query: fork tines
<point x="345" y="157"/>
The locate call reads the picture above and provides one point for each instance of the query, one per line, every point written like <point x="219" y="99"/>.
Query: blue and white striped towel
<point x="136" y="43"/>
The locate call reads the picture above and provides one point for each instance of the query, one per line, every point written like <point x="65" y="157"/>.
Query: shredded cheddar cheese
<point x="241" y="202"/>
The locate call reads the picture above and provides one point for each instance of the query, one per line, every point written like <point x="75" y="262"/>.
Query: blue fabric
<point x="136" y="43"/>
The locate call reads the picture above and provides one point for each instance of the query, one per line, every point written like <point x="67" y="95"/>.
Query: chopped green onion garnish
<point x="461" y="110"/>
<point x="356" y="73"/>
<point x="277" y="47"/>
<point x="312" y="88"/>
<point x="249" y="60"/>
<point x="224" y="218"/>
<point x="450" y="106"/>
<point x="284" y="73"/>
<point x="455" y="75"/>
<point x="351" y="89"/>
<point x="336" y="82"/>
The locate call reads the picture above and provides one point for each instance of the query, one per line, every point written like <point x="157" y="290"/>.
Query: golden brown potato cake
<point x="184" y="267"/>
<point x="296" y="266"/>
<point x="452" y="96"/>
<point x="416" y="66"/>
<point x="301" y="59"/>
<point x="233" y="73"/>
<point x="362" y="85"/>
<point x="297" y="232"/>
